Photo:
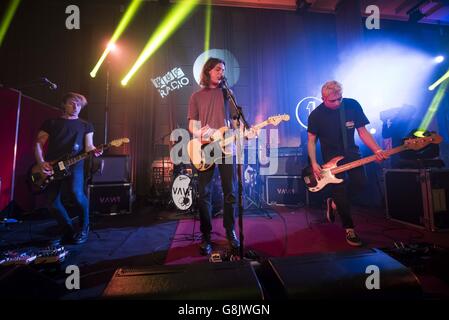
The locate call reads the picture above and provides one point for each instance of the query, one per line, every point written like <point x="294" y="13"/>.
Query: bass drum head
<point x="181" y="192"/>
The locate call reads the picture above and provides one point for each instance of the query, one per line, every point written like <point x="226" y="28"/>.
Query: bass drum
<point x="182" y="192"/>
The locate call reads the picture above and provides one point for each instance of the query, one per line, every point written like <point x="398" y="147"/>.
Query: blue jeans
<point x="73" y="184"/>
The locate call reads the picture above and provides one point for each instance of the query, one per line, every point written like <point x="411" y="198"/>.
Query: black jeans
<point x="355" y="181"/>
<point x="73" y="184"/>
<point x="205" y="200"/>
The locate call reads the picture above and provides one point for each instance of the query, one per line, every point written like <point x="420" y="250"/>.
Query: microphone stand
<point x="106" y="104"/>
<point x="240" y="118"/>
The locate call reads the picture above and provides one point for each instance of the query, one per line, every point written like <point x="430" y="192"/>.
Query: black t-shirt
<point x="66" y="137"/>
<point x="325" y="124"/>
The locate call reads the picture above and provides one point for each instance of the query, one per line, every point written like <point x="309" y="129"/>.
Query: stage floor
<point x="156" y="237"/>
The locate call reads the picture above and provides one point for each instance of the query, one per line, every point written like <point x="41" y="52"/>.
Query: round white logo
<point x="304" y="108"/>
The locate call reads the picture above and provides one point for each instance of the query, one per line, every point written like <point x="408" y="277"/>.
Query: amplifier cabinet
<point x="110" y="199"/>
<point x="418" y="197"/>
<point x="285" y="190"/>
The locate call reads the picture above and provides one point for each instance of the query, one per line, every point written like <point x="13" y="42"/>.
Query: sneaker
<point x="352" y="238"/>
<point x="234" y="243"/>
<point x="331" y="210"/>
<point x="206" y="245"/>
<point x="67" y="237"/>
<point x="81" y="237"/>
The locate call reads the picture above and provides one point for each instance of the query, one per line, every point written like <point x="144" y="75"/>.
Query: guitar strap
<point x="343" y="126"/>
<point x="226" y="108"/>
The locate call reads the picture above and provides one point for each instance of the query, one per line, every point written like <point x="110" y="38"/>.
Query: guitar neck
<point x="361" y="162"/>
<point x="261" y="125"/>
<point x="257" y="126"/>
<point x="82" y="156"/>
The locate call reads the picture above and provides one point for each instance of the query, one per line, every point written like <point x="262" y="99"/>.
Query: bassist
<point x="67" y="135"/>
<point x="334" y="122"/>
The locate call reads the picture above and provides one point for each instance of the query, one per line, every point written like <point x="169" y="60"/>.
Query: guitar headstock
<point x="419" y="143"/>
<point x="119" y="142"/>
<point x="275" y="120"/>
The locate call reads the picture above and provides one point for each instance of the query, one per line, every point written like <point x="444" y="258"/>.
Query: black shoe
<point x="330" y="212"/>
<point x="206" y="246"/>
<point x="352" y="238"/>
<point x="234" y="243"/>
<point x="81" y="237"/>
<point x="67" y="238"/>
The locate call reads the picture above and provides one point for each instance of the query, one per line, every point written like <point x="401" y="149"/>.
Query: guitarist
<point x="334" y="122"/>
<point x="67" y="135"/>
<point x="208" y="111"/>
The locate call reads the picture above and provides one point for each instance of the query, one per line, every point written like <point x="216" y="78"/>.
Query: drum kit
<point x="184" y="189"/>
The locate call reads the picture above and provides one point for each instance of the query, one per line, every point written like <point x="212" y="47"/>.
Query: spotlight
<point x="438" y="59"/>
<point x="112" y="47"/>
<point x="373" y="130"/>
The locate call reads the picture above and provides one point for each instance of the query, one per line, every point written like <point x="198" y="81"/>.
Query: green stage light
<point x="436" y="101"/>
<point x="171" y="22"/>
<point x="126" y="19"/>
<point x="7" y="18"/>
<point x="439" y="81"/>
<point x="207" y="26"/>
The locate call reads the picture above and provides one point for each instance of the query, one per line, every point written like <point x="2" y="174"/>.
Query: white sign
<point x="171" y="81"/>
<point x="304" y="108"/>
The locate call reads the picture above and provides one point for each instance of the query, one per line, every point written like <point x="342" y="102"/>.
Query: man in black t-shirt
<point x="325" y="124"/>
<point x="67" y="135"/>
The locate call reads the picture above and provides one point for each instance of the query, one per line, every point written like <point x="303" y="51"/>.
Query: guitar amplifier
<point x="111" y="169"/>
<point x="285" y="190"/>
<point x="110" y="199"/>
<point x="418" y="197"/>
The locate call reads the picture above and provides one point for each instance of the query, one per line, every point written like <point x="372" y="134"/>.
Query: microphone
<point x="51" y="85"/>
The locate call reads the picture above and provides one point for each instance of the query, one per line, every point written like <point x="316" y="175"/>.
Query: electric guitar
<point x="38" y="181"/>
<point x="330" y="169"/>
<point x="202" y="154"/>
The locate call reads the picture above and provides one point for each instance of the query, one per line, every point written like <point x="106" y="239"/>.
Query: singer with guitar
<point x="334" y="122"/>
<point x="67" y="135"/>
<point x="208" y="111"/>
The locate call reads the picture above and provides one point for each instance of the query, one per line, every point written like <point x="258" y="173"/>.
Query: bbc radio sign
<point x="173" y="80"/>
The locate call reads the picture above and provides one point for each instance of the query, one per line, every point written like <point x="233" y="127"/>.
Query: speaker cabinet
<point x="341" y="275"/>
<point x="285" y="190"/>
<point x="110" y="199"/>
<point x="418" y="197"/>
<point x="111" y="169"/>
<point x="215" y="281"/>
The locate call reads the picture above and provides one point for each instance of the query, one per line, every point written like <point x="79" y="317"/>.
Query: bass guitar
<point x="330" y="169"/>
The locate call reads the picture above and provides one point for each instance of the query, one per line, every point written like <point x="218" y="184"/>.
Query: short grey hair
<point x="331" y="87"/>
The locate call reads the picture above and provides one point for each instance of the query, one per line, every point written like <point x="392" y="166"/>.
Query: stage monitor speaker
<point x="341" y="275"/>
<point x="23" y="282"/>
<point x="214" y="281"/>
<point x="109" y="169"/>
